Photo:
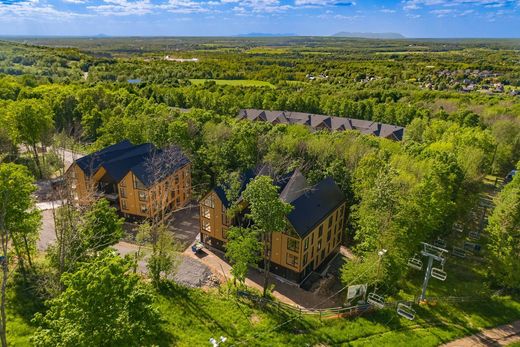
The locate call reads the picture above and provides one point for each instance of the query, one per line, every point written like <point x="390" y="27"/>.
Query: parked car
<point x="509" y="176"/>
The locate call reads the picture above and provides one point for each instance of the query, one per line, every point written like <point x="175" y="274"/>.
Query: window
<point x="122" y="192"/>
<point x="206" y="212"/>
<point x="292" y="260"/>
<point x="138" y="184"/>
<point x="123" y="205"/>
<point x="312" y="239"/>
<point x="330" y="221"/>
<point x="176" y="178"/>
<point x="209" y="201"/>
<point x="328" y="235"/>
<point x="224" y="233"/>
<point x="225" y="219"/>
<point x="319" y="245"/>
<point x="173" y="195"/>
<point x="320" y="231"/>
<point x="206" y="226"/>
<point x="306" y="244"/>
<point x="122" y="183"/>
<point x="305" y="259"/>
<point x="293" y="245"/>
<point x="142" y="196"/>
<point x="144" y="208"/>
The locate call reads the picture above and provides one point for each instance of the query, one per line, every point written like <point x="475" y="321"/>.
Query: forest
<point x="459" y="101"/>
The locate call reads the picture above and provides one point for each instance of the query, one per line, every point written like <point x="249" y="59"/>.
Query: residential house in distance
<point x="139" y="180"/>
<point x="322" y="122"/>
<point x="316" y="223"/>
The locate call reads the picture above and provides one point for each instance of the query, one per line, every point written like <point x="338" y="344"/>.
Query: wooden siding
<point x="173" y="192"/>
<point x="314" y="249"/>
<point x="308" y="247"/>
<point x="212" y="213"/>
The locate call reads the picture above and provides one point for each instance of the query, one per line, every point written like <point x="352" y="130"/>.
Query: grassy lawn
<point x="243" y="83"/>
<point x="194" y="316"/>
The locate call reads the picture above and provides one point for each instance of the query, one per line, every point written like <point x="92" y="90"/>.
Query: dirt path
<point x="499" y="336"/>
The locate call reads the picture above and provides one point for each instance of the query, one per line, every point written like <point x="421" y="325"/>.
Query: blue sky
<point x="412" y="18"/>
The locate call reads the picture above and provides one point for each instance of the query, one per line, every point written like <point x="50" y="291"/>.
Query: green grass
<point x="193" y="316"/>
<point x="242" y="83"/>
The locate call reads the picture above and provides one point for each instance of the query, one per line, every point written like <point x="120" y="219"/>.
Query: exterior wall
<point x="295" y="254"/>
<point x="79" y="184"/>
<point x="213" y="219"/>
<point x="171" y="193"/>
<point x="291" y="256"/>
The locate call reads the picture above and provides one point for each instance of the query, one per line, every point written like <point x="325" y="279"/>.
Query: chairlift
<point x="439" y="274"/>
<point x="405" y="310"/>
<point x="376" y="300"/>
<point x="459" y="252"/>
<point x="415" y="263"/>
<point x="440" y="243"/>
<point x="474" y="235"/>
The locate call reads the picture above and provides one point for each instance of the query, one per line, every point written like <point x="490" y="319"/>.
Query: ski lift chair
<point x="415" y="263"/>
<point x="459" y="252"/>
<point x="405" y="310"/>
<point x="440" y="243"/>
<point x="376" y="300"/>
<point x="474" y="235"/>
<point x="439" y="274"/>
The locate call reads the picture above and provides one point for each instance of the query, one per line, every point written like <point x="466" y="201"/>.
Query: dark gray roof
<point x="311" y="204"/>
<point x="312" y="207"/>
<point x="91" y="163"/>
<point x="322" y="122"/>
<point x="147" y="162"/>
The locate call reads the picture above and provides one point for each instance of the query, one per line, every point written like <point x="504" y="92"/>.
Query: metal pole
<point x="426" y="278"/>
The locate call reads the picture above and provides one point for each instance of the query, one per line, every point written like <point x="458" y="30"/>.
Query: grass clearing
<point x="242" y="83"/>
<point x="192" y="316"/>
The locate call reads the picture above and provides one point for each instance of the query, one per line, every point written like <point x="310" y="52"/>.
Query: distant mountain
<point x="265" y="35"/>
<point x="370" y="35"/>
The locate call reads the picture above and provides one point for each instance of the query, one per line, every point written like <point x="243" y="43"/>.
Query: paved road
<point x="499" y="336"/>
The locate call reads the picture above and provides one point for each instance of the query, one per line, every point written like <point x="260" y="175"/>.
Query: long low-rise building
<point x="323" y="122"/>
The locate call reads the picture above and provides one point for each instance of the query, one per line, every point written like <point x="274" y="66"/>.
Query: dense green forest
<point x="459" y="101"/>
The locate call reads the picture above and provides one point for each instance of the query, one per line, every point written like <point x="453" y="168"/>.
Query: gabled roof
<point x="312" y="207"/>
<point x="320" y="122"/>
<point x="163" y="162"/>
<point x="310" y="204"/>
<point x="91" y="163"/>
<point x="147" y="162"/>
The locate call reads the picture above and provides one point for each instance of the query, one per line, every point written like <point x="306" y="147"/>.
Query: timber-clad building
<point x="316" y="223"/>
<point x="139" y="180"/>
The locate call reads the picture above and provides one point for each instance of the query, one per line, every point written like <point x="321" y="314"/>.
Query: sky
<point x="411" y="18"/>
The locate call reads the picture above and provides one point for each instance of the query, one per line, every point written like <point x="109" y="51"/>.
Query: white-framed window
<point x="144" y="208"/>
<point x="206" y="225"/>
<point x="206" y="212"/>
<point x="143" y="196"/>
<point x="123" y="204"/>
<point x="209" y="201"/>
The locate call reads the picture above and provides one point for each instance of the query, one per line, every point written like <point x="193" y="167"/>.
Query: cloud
<point x="25" y="9"/>
<point x="123" y="8"/>
<point x="324" y="3"/>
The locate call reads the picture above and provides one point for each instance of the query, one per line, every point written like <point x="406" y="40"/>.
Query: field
<point x="242" y="83"/>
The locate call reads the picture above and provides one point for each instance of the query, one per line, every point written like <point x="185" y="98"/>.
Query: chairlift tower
<point x="433" y="253"/>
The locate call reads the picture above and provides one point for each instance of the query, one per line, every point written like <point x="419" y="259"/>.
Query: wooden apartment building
<point x="139" y="180"/>
<point x="316" y="223"/>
